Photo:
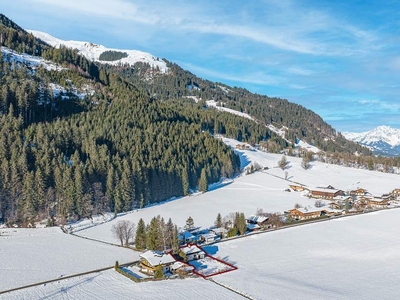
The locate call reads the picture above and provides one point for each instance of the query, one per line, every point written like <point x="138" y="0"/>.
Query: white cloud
<point x="285" y="26"/>
<point x="379" y="104"/>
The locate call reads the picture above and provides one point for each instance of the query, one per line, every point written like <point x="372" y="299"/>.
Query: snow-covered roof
<point x="311" y="209"/>
<point x="325" y="190"/>
<point x="218" y="230"/>
<point x="156" y="258"/>
<point x="191" y="249"/>
<point x="341" y="198"/>
<point x="252" y="226"/>
<point x="209" y="236"/>
<point x="257" y="219"/>
<point x="378" y="199"/>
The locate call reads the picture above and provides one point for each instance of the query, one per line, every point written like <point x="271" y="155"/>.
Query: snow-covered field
<point x="348" y="258"/>
<point x="264" y="190"/>
<point x="111" y="285"/>
<point x="32" y="255"/>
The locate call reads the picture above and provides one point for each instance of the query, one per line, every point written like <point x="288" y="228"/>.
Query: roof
<point x="306" y="210"/>
<point x="218" y="230"/>
<point x="376" y="199"/>
<point x="209" y="235"/>
<point x="187" y="235"/>
<point x="341" y="198"/>
<point x="156" y="258"/>
<point x="325" y="190"/>
<point x="257" y="219"/>
<point x="191" y="249"/>
<point x="253" y="226"/>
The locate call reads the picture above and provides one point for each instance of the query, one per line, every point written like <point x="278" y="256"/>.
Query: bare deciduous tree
<point x="318" y="203"/>
<point x="124" y="231"/>
<point x="283" y="162"/>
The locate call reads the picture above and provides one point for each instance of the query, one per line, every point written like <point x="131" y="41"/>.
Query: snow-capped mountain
<point x="93" y="51"/>
<point x="383" y="140"/>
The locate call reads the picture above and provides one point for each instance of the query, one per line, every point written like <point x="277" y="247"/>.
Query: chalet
<point x="310" y="213"/>
<point x="219" y="232"/>
<point x="260" y="220"/>
<point x="378" y="202"/>
<point x="256" y="222"/>
<point x="181" y="268"/>
<point x="358" y="192"/>
<point x="150" y="259"/>
<point x="325" y="193"/>
<point x="396" y="193"/>
<point x="297" y="188"/>
<point x="208" y="237"/>
<point x="191" y="252"/>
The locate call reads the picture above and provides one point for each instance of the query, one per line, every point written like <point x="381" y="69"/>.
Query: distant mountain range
<point x="383" y="140"/>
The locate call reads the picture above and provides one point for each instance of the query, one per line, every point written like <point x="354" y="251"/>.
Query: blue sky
<point x="340" y="59"/>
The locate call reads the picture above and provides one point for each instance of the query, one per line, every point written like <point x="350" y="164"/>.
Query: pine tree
<point x="203" y="183"/>
<point x="218" y="221"/>
<point x="185" y="182"/>
<point x="189" y="224"/>
<point x="140" y="239"/>
<point x="175" y="240"/>
<point x="152" y="238"/>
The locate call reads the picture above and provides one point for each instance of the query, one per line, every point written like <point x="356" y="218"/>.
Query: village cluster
<point x="340" y="202"/>
<point x="193" y="259"/>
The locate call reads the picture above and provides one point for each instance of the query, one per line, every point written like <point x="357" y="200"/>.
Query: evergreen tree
<point x="218" y="221"/>
<point x="203" y="182"/>
<point x="152" y="239"/>
<point x="189" y="224"/>
<point x="140" y="239"/>
<point x="175" y="240"/>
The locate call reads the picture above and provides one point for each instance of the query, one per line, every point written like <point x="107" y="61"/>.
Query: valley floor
<point x="346" y="258"/>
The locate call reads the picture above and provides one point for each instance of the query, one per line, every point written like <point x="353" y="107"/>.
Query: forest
<point x="133" y="140"/>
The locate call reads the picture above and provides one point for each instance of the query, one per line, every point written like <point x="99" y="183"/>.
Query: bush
<point x="232" y="232"/>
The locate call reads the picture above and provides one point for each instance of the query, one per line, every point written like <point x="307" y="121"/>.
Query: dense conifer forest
<point x="130" y="141"/>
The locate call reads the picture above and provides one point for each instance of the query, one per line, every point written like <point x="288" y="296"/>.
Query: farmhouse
<point x="310" y="213"/>
<point x="325" y="193"/>
<point x="297" y="188"/>
<point x="378" y="202"/>
<point x="396" y="193"/>
<point x="358" y="192"/>
<point x="150" y="259"/>
<point x="191" y="252"/>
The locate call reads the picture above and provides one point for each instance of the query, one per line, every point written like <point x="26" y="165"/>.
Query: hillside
<point x="80" y="137"/>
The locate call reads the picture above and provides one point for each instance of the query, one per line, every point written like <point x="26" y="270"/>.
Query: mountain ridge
<point x="93" y="51"/>
<point x="384" y="140"/>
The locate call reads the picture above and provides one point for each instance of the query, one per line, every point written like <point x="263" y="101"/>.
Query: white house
<point x="192" y="252"/>
<point x="150" y="259"/>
